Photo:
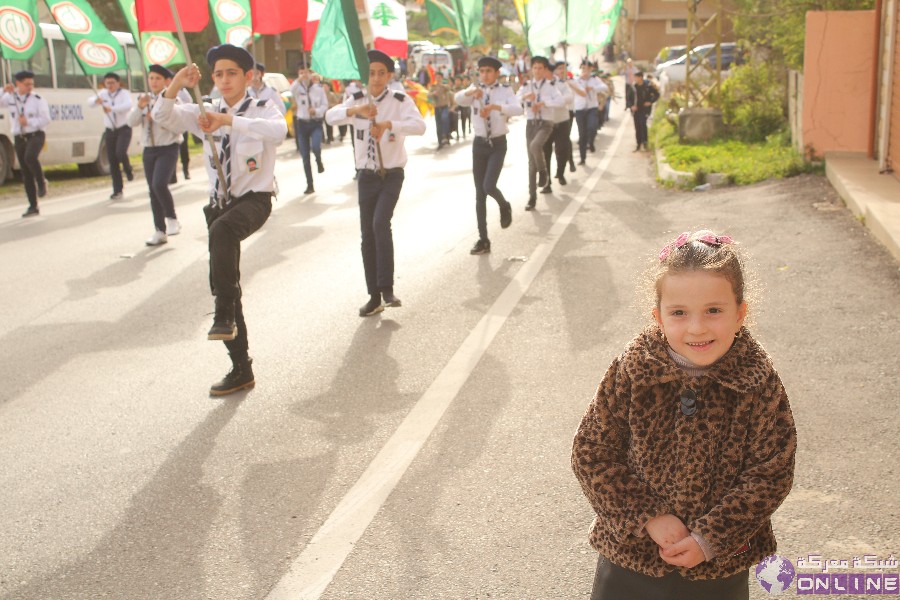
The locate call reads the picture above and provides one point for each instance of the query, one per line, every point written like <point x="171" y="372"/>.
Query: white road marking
<point x="311" y="573"/>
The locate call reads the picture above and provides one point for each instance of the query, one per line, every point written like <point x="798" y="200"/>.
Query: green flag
<point x="94" y="46"/>
<point x="592" y="22"/>
<point x="546" y="25"/>
<point x="232" y="19"/>
<point x="157" y="48"/>
<point x="20" y="32"/>
<point x="338" y="51"/>
<point x="469" y="18"/>
<point x="441" y="18"/>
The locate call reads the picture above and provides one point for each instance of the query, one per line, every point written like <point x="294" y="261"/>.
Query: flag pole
<point x="223" y="184"/>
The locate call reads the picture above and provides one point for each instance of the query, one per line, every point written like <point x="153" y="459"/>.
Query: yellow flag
<point x="520" y="8"/>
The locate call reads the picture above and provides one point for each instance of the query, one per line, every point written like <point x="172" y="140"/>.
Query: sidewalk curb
<point x="872" y="197"/>
<point x="684" y="178"/>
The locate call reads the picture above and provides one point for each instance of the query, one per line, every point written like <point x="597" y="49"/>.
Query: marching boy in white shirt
<point x="382" y="119"/>
<point x="539" y="99"/>
<point x="246" y="131"/>
<point x="116" y="103"/>
<point x="30" y="116"/>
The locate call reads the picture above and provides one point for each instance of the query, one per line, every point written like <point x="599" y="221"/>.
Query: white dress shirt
<point x="311" y="94"/>
<point x="154" y="133"/>
<point x="593" y="87"/>
<point x="561" y="113"/>
<point x="119" y="104"/>
<point x="497" y="93"/>
<point x="254" y="137"/>
<point x="268" y="93"/>
<point x="396" y="107"/>
<point x="544" y="92"/>
<point x="35" y="109"/>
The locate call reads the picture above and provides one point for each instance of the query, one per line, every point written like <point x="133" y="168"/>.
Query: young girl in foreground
<point x="688" y="447"/>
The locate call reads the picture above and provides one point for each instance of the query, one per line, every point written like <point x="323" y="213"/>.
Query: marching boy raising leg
<point x="246" y="131"/>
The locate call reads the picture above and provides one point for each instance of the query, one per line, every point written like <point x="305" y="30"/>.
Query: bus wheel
<point x="99" y="166"/>
<point x="5" y="160"/>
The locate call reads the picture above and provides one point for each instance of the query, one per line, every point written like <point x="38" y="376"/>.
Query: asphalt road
<point x="424" y="452"/>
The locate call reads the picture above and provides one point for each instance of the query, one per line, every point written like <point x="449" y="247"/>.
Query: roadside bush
<point x="751" y="101"/>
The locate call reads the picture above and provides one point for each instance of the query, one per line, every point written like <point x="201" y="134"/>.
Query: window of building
<point x="676" y="26"/>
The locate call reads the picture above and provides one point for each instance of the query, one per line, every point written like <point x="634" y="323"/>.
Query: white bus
<point x="75" y="133"/>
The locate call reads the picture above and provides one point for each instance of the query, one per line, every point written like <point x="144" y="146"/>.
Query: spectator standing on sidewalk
<point x="640" y="99"/>
<point x="160" y="156"/>
<point x="493" y="103"/>
<point x="116" y="104"/>
<point x="30" y="115"/>
<point x="688" y="446"/>
<point x="246" y="132"/>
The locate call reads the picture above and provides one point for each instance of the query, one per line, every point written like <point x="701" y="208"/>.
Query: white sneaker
<point x="173" y="227"/>
<point x="157" y="238"/>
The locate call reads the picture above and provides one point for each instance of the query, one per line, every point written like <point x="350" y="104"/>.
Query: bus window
<point x="39" y="64"/>
<point x="133" y="57"/>
<point x="69" y="73"/>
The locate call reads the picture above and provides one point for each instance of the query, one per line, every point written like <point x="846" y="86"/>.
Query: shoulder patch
<point x="357" y="95"/>
<point x="400" y="96"/>
<point x="37" y="96"/>
<point x="262" y="102"/>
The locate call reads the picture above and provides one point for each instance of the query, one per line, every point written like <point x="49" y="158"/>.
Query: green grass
<point x="744" y="163"/>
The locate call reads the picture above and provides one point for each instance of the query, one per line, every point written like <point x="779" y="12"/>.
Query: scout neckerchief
<point x="20" y="111"/>
<point x="149" y="108"/>
<point x="588" y="90"/>
<point x="112" y="105"/>
<point x="370" y="150"/>
<point x="485" y="103"/>
<point x="225" y="154"/>
<point x="538" y="118"/>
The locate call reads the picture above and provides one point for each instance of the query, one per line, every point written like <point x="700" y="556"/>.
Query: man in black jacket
<point x="640" y="99"/>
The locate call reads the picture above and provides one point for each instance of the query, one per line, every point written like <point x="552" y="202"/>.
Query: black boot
<point x="239" y="378"/>
<point x="372" y="307"/>
<point x="224" y="327"/>
<point x="390" y="299"/>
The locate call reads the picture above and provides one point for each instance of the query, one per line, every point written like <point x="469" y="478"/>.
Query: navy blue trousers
<point x="159" y="166"/>
<point x="487" y="162"/>
<point x="117" y="142"/>
<point x="377" y="199"/>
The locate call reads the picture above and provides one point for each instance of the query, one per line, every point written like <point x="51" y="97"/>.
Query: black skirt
<point x="612" y="582"/>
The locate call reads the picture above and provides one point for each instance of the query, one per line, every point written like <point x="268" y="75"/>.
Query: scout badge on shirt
<point x="252" y="165"/>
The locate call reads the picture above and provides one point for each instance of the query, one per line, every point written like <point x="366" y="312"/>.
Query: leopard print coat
<point x="722" y="471"/>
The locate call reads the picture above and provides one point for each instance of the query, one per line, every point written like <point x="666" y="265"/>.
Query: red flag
<point x="271" y="17"/>
<point x="155" y="15"/>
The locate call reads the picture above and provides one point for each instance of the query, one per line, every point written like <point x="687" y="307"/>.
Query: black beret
<point x="541" y="60"/>
<point x="377" y="56"/>
<point x="261" y="67"/>
<point x="161" y="70"/>
<point x="638" y="73"/>
<point x="23" y="75"/>
<point x="489" y="61"/>
<point x="241" y="57"/>
<point x="112" y="75"/>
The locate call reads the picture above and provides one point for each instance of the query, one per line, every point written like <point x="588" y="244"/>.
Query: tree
<point x="780" y="25"/>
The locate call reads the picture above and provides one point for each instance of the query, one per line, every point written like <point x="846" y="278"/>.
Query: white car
<point x="675" y="71"/>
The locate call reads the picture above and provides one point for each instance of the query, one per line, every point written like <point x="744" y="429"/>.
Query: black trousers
<point x="377" y="199"/>
<point x="28" y="147"/>
<point x="560" y="140"/>
<point x="117" y="142"/>
<point x="612" y="582"/>
<point x="185" y="155"/>
<point x="159" y="167"/>
<point x="487" y="162"/>
<point x="227" y="229"/>
<point x="640" y="125"/>
<point x="536" y="134"/>
<point x="587" y="121"/>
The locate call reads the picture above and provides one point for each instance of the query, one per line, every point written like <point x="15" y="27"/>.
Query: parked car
<point x="669" y="53"/>
<point x="674" y="71"/>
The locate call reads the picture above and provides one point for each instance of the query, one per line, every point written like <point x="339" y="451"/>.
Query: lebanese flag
<point x="313" y="16"/>
<point x="387" y="19"/>
<point x="156" y="15"/>
<point x="271" y="17"/>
